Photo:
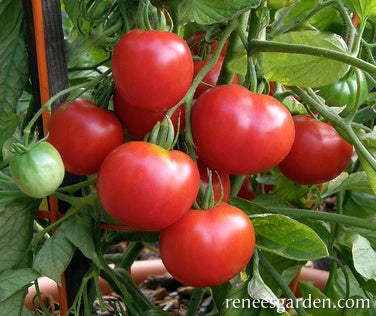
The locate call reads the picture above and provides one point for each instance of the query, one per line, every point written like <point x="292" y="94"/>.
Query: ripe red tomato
<point x="84" y="134"/>
<point x="239" y="132"/>
<point x="147" y="187"/>
<point x="318" y="154"/>
<point x="138" y="122"/>
<point x="208" y="248"/>
<point x="225" y="182"/>
<point x="152" y="69"/>
<point x="248" y="193"/>
<point x="211" y="77"/>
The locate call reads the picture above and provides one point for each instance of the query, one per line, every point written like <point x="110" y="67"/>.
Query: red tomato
<point x="147" y="187"/>
<point x="318" y="154"/>
<point x="139" y="122"/>
<point x="84" y="134"/>
<point x="152" y="69"/>
<point x="225" y="182"/>
<point x="211" y="77"/>
<point x="208" y="248"/>
<point x="246" y="190"/>
<point x="238" y="132"/>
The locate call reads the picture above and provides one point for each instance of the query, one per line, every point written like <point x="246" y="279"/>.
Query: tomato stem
<point x="256" y="46"/>
<point x="281" y="282"/>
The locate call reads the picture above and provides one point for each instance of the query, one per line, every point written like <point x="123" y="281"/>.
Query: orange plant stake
<point x="45" y="96"/>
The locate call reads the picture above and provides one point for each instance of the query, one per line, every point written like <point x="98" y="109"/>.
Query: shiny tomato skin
<point x="138" y="122"/>
<point x="211" y="77"/>
<point x="147" y="187"/>
<point x="152" y="69"/>
<point x="84" y="134"/>
<point x="38" y="171"/>
<point x="239" y="132"/>
<point x="208" y="247"/>
<point x="319" y="153"/>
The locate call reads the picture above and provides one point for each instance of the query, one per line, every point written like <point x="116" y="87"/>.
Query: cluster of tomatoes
<point x="150" y="188"/>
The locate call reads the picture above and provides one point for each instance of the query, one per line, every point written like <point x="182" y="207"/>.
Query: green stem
<point x="187" y="100"/>
<point x="130" y="255"/>
<point x="281" y="283"/>
<point x="323" y="216"/>
<point x="256" y="46"/>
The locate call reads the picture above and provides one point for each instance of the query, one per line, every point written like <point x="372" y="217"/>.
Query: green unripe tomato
<point x="343" y="92"/>
<point x="38" y="171"/>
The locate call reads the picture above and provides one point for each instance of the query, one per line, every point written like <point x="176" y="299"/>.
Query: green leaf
<point x="79" y="231"/>
<point x="258" y="290"/>
<point x="364" y="257"/>
<point x="13" y="65"/>
<point x="357" y="181"/>
<point x="371" y="173"/>
<point x="288" y="238"/>
<point x="363" y="8"/>
<point x="305" y="70"/>
<point x="11" y="281"/>
<point x="13" y="306"/>
<point x="215" y="11"/>
<point x="310" y="295"/>
<point x="16" y="228"/>
<point x="290" y="17"/>
<point x="54" y="256"/>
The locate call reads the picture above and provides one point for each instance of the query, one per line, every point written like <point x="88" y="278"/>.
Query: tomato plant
<point x="138" y="122"/>
<point x="146" y="187"/>
<point x="84" y="134"/>
<point x="200" y="45"/>
<point x="219" y="181"/>
<point x="318" y="154"/>
<point x="208" y="247"/>
<point x="211" y="77"/>
<point x="168" y="66"/>
<point x="133" y="60"/>
<point x="344" y="92"/>
<point x="37" y="170"/>
<point x="247" y="133"/>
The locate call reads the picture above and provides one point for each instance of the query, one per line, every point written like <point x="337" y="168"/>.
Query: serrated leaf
<point x="287" y="238"/>
<point x="215" y="11"/>
<point x="364" y="257"/>
<point x="13" y="65"/>
<point x="54" y="256"/>
<point x="11" y="281"/>
<point x="16" y="227"/>
<point x="371" y="173"/>
<point x="305" y="70"/>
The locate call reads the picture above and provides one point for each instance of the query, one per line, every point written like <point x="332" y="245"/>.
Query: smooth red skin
<point x="224" y="181"/>
<point x="208" y="248"/>
<point x="211" y="77"/>
<point x="147" y="187"/>
<point x="152" y="69"/>
<point x="238" y="132"/>
<point x="84" y="134"/>
<point x="319" y="153"/>
<point x="139" y="122"/>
